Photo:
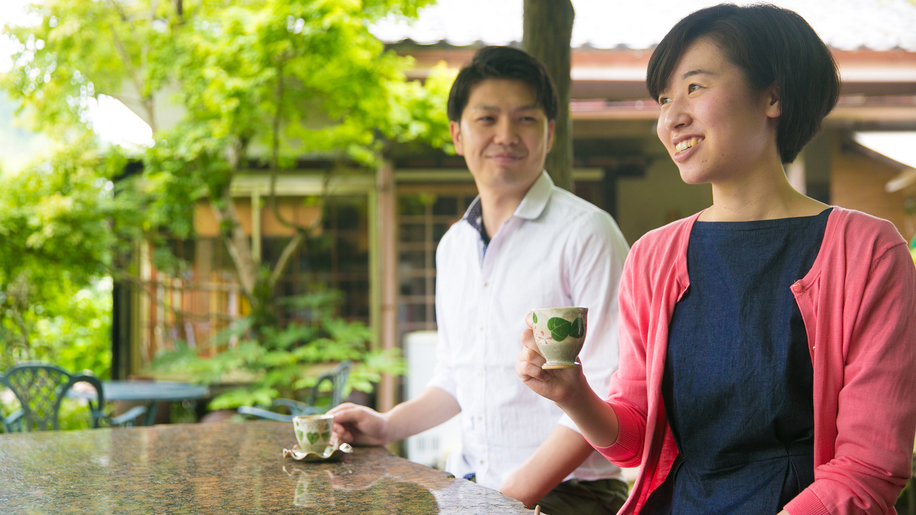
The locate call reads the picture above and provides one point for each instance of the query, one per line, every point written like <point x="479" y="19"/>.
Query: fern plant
<point x="284" y="362"/>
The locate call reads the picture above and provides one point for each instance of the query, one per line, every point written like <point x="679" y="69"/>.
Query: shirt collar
<point x="530" y="207"/>
<point x="536" y="199"/>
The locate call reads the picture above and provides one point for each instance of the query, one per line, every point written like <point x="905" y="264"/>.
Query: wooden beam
<point x="256" y="226"/>
<point x="387" y="236"/>
<point x="375" y="271"/>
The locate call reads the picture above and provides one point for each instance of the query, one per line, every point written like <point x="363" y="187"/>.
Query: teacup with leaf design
<point x="559" y="334"/>
<point x="313" y="432"/>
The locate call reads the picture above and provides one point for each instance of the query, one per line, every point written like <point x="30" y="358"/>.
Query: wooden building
<point x="381" y="233"/>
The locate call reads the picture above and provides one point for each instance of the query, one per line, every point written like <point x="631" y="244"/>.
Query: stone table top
<point x="220" y="468"/>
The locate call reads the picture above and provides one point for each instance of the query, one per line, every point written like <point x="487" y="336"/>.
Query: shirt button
<point x="798" y="288"/>
<point x="486" y="284"/>
<point x="481" y="462"/>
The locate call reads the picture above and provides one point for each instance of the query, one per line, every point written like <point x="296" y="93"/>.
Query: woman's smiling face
<point x="714" y="126"/>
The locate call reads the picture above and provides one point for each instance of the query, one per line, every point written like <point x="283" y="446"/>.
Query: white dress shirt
<point x="555" y="250"/>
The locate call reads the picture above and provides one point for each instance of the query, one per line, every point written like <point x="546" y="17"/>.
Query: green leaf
<point x="559" y="328"/>
<point x="577" y="329"/>
<point x="243" y="397"/>
<point x="534" y="317"/>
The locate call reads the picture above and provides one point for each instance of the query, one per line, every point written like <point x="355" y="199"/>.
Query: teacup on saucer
<point x="329" y="453"/>
<point x="313" y="432"/>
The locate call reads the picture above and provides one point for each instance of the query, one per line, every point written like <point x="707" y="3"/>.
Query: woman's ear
<point x="774" y="105"/>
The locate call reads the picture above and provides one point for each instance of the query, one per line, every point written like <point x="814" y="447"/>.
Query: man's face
<point x="503" y="135"/>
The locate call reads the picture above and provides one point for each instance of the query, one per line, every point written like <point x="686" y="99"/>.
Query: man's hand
<point x="359" y="425"/>
<point x="364" y="426"/>
<point x="558" y="385"/>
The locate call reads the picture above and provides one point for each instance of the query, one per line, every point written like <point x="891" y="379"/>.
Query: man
<point x="522" y="244"/>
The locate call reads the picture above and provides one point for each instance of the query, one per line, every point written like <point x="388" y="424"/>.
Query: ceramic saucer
<point x="331" y="453"/>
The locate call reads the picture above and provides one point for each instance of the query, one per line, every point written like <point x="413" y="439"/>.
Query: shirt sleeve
<point x="443" y="373"/>
<point x="627" y="393"/>
<point x="875" y="408"/>
<point x="594" y="258"/>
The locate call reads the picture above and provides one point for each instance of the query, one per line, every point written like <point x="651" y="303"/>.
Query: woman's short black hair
<point x="500" y="62"/>
<point x="772" y="45"/>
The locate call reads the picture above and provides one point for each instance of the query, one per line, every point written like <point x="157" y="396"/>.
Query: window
<point x="423" y="218"/>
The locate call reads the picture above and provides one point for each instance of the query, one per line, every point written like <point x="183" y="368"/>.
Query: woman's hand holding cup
<point x="558" y="385"/>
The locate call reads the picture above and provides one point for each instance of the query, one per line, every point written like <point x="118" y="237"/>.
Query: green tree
<point x="261" y="82"/>
<point x="57" y="239"/>
<point x="258" y="84"/>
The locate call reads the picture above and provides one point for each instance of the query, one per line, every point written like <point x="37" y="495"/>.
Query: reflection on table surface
<point x="219" y="468"/>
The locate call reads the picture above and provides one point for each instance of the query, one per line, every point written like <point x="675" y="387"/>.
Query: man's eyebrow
<point x="486" y="107"/>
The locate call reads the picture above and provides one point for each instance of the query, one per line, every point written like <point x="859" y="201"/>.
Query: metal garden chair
<point x="337" y="377"/>
<point x="40" y="388"/>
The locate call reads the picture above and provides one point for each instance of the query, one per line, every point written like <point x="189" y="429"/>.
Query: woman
<point x="767" y="353"/>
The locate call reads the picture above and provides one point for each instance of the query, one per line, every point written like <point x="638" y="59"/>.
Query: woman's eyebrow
<point x="698" y="71"/>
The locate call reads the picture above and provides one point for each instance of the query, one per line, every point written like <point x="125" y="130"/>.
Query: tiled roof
<point x="639" y="24"/>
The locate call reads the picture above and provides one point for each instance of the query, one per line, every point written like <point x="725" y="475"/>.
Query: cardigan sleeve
<point x="595" y="255"/>
<point x="876" y="410"/>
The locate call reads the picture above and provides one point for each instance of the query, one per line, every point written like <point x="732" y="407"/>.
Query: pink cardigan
<point x="858" y="303"/>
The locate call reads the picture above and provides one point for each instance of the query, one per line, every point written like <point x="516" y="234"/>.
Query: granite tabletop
<point x="219" y="468"/>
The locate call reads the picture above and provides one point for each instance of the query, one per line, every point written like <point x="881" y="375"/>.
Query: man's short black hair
<point x="772" y="45"/>
<point x="500" y="62"/>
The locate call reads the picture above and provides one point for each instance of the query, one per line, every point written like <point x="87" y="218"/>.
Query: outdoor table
<point x="225" y="467"/>
<point x="151" y="392"/>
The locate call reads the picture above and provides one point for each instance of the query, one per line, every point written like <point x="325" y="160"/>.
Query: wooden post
<point x="256" y="226"/>
<point x="547" y="34"/>
<point x="375" y="271"/>
<point x="386" y="221"/>
<point x="144" y="319"/>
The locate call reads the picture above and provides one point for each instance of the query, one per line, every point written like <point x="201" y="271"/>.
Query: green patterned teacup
<point x="313" y="432"/>
<point x="559" y="334"/>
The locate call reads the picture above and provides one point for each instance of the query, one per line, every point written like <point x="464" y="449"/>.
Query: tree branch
<point x="17" y="299"/>
<point x="301" y="232"/>
<point x="287" y="253"/>
<point x="237" y="243"/>
<point x="275" y="155"/>
<point x="145" y="100"/>
<point x="117" y="7"/>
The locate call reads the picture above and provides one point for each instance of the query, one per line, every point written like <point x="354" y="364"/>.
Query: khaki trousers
<point x="574" y="497"/>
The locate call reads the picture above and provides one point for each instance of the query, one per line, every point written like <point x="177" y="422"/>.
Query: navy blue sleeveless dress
<point x="738" y="383"/>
